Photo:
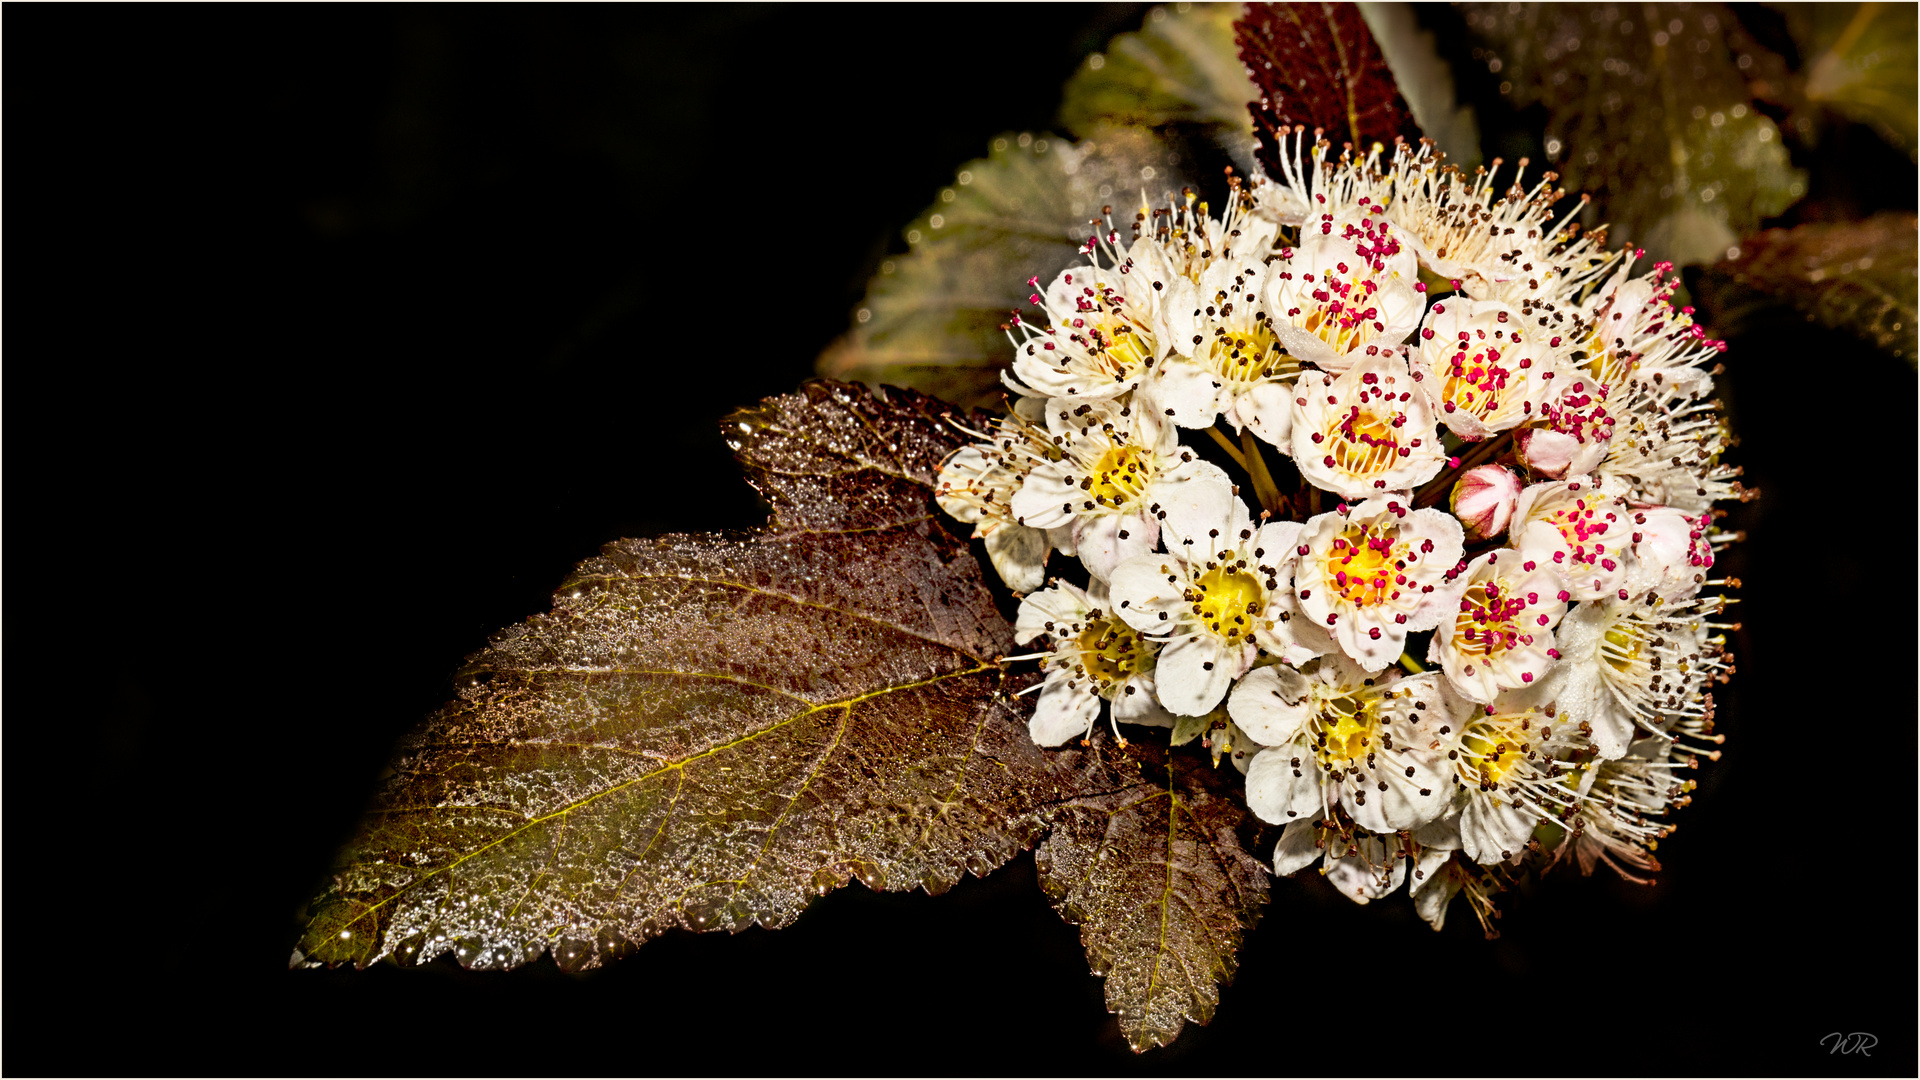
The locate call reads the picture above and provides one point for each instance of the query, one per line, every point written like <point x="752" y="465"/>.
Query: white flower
<point x="1345" y="293"/>
<point x="1208" y="597"/>
<point x="1225" y="357"/>
<point x="1481" y="367"/>
<point x="1117" y="472"/>
<point x="1577" y="531"/>
<point x="1099" y="341"/>
<point x="1366" y="431"/>
<point x="1639" y="336"/>
<point x="1306" y="189"/>
<point x="1619" y="821"/>
<point x="1635" y="664"/>
<point x="1666" y="451"/>
<point x="1369" y="575"/>
<point x="977" y="485"/>
<point x="1501" y="637"/>
<point x="1462" y="227"/>
<point x="1361" y="867"/>
<point x="1511" y="769"/>
<point x="1336" y="735"/>
<point x="1095" y="658"/>
<point x="1672" y="552"/>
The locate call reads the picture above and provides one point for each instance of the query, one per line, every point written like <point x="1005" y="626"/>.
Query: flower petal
<point x="1019" y="556"/>
<point x="1271" y="704"/>
<point x="1280" y="792"/>
<point x="1193" y="674"/>
<point x="1064" y="711"/>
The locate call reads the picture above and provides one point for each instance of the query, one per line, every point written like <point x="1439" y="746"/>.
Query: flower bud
<point x="1483" y="500"/>
<point x="1547" y="454"/>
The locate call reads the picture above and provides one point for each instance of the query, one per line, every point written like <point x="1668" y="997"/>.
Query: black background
<point x="341" y="333"/>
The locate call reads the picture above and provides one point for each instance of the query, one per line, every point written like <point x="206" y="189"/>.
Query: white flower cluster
<point x="1461" y="622"/>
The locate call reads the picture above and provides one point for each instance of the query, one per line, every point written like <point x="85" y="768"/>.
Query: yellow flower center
<point x="1124" y="345"/>
<point x="1344" y="728"/>
<point x="1110" y="650"/>
<point x="1606" y="366"/>
<point x="1363" y="568"/>
<point x="1492" y="749"/>
<point x="1475" y="382"/>
<point x="1250" y="357"/>
<point x="1121" y="475"/>
<point x="1363" y="443"/>
<point x="1226" y="599"/>
<point x="1620" y="648"/>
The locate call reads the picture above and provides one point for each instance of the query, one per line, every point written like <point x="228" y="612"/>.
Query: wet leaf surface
<point x="1857" y="276"/>
<point x="1648" y="112"/>
<point x="709" y="731"/>
<point x="1161" y="879"/>
<point x="932" y="316"/>
<point x="1316" y="64"/>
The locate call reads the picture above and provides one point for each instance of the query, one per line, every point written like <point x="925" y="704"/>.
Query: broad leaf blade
<point x="931" y="319"/>
<point x="1317" y="65"/>
<point x="1178" y="68"/>
<point x="1649" y="113"/>
<point x="1161" y="879"/>
<point x="1857" y="276"/>
<point x="708" y="731"/>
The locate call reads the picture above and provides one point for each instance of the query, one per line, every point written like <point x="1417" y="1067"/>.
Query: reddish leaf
<point x="1317" y="65"/>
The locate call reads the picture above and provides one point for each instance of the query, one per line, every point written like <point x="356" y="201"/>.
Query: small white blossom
<point x="1117" y="472"/>
<point x="1633" y="666"/>
<point x="1481" y="368"/>
<point x="1099" y="340"/>
<point x="1370" y="575"/>
<point x="1577" y="531"/>
<point x="1366" y="431"/>
<point x="1511" y="770"/>
<point x="977" y="485"/>
<point x="1225" y="358"/>
<point x="1095" y="658"/>
<point x="1360" y="866"/>
<point x="1209" y="597"/>
<point x="1346" y="292"/>
<point x="1501" y="636"/>
<point x="1462" y="227"/>
<point x="1336" y="735"/>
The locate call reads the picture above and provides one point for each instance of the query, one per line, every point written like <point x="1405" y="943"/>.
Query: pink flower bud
<point x="1483" y="500"/>
<point x="1548" y="455"/>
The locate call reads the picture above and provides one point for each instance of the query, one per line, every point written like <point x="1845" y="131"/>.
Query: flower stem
<point x="1263" y="485"/>
<point x="1232" y="450"/>
<point x="1439" y="486"/>
<point x="1414" y="667"/>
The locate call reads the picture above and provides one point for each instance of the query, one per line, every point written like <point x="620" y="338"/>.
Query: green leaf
<point x="1863" y="65"/>
<point x="931" y="320"/>
<point x="708" y="731"/>
<point x="1161" y="880"/>
<point x="1316" y="64"/>
<point x="1857" y="276"/>
<point x="1648" y="112"/>
<point x="1426" y="81"/>
<point x="1180" y="67"/>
